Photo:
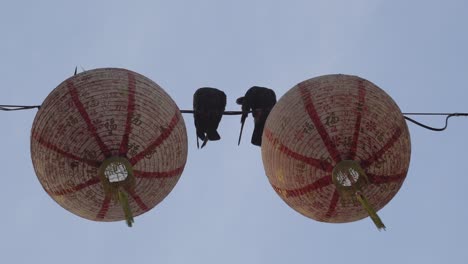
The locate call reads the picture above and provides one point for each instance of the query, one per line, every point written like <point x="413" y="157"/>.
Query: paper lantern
<point x="108" y="144"/>
<point x="336" y="148"/>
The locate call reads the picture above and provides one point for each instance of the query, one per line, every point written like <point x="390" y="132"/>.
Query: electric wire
<point x="18" y="107"/>
<point x="438" y="129"/>
<point x="448" y="116"/>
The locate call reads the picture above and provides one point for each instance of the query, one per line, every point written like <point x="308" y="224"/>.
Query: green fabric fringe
<point x="370" y="210"/>
<point x="123" y="200"/>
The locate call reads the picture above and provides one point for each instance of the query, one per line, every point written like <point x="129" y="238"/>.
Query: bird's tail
<point x="213" y="135"/>
<point x="260" y="120"/>
<point x="240" y="134"/>
<point x="204" y="142"/>
<point x="257" y="134"/>
<point x="201" y="134"/>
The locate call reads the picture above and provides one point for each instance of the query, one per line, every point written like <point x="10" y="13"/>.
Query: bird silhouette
<point x="208" y="105"/>
<point x="260" y="101"/>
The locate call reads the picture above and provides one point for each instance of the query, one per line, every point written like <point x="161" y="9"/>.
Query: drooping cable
<point x="448" y="115"/>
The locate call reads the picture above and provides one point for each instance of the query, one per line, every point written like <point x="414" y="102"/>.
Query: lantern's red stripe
<point x="54" y="148"/>
<point x="130" y="109"/>
<point x="320" y="183"/>
<point x="379" y="179"/>
<point x="158" y="141"/>
<point x="333" y="203"/>
<point x="377" y="155"/>
<point x="357" y="126"/>
<point x="157" y="174"/>
<point x="309" y="106"/>
<point x="319" y="164"/>
<point x="138" y="200"/>
<point x="91" y="128"/>
<point x="104" y="208"/>
<point x="76" y="188"/>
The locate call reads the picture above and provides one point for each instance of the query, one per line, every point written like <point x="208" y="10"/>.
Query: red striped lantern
<point x="336" y="148"/>
<point x="108" y="144"/>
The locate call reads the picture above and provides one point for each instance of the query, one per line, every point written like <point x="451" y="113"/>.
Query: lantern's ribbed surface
<point x="100" y="114"/>
<point x="325" y="120"/>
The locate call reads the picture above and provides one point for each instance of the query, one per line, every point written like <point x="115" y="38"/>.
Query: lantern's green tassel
<point x="372" y="213"/>
<point x="123" y="200"/>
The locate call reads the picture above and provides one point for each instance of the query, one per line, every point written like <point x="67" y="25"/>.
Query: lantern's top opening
<point x="347" y="178"/>
<point x="116" y="172"/>
<point x="348" y="173"/>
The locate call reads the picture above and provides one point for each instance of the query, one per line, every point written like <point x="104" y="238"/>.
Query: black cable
<point x="27" y="107"/>
<point x="224" y="113"/>
<point x="18" y="107"/>
<point x="449" y="115"/>
<point x="435" y="114"/>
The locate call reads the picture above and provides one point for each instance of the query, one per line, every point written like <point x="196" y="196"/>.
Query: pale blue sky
<point x="223" y="209"/>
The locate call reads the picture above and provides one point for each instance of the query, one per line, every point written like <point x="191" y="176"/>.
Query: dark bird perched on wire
<point x="208" y="105"/>
<point x="260" y="101"/>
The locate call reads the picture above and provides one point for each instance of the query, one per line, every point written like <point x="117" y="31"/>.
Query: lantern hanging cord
<point x="448" y="115"/>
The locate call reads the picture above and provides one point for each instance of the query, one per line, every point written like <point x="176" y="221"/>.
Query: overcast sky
<point x="223" y="210"/>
